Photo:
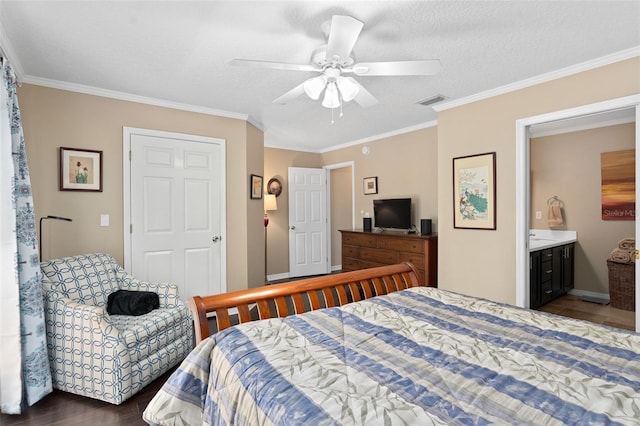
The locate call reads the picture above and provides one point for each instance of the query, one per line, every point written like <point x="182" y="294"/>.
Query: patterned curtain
<point x="22" y="329"/>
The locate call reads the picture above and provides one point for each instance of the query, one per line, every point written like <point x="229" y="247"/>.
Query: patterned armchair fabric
<point x="102" y="356"/>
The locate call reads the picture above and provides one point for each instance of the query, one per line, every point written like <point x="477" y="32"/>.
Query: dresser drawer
<point x="380" y="256"/>
<point x="351" y="251"/>
<point x="416" y="259"/>
<point x="349" y="264"/>
<point x="363" y="240"/>
<point x="410" y="246"/>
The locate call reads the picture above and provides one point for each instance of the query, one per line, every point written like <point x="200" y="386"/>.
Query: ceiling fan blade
<point x="364" y="98"/>
<point x="342" y="37"/>
<point x="290" y="95"/>
<point x="273" y="65"/>
<point x="426" y="67"/>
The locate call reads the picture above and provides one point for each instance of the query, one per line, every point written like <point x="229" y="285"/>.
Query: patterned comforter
<point x="420" y="356"/>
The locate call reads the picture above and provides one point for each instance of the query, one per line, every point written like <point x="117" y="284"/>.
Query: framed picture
<point x="80" y="170"/>
<point x="255" y="190"/>
<point x="370" y="185"/>
<point x="474" y="191"/>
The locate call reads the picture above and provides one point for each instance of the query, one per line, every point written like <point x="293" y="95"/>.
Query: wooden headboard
<point x="281" y="300"/>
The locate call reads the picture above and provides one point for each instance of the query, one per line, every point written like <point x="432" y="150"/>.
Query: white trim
<point x="127" y="132"/>
<point x="96" y="91"/>
<point x="591" y="294"/>
<point x="543" y="78"/>
<point x="581" y="127"/>
<point x="392" y="133"/>
<point x="7" y="50"/>
<point x="389" y="134"/>
<point x="522" y="183"/>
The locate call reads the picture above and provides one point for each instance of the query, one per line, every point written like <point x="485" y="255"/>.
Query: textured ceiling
<point x="178" y="52"/>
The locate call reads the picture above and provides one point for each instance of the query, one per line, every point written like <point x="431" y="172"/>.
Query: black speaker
<point x="425" y="226"/>
<point x="366" y="223"/>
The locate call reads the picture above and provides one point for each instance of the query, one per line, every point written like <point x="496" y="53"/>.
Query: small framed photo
<point x="255" y="190"/>
<point x="474" y="191"/>
<point x="80" y="170"/>
<point x="370" y="185"/>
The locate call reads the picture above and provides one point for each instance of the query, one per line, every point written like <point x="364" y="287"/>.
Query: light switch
<point x="104" y="220"/>
<point x="538" y="214"/>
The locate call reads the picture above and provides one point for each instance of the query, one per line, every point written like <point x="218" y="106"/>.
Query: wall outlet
<point x="538" y="214"/>
<point x="104" y="220"/>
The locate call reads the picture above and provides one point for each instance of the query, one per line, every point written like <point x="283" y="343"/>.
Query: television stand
<point x="366" y="249"/>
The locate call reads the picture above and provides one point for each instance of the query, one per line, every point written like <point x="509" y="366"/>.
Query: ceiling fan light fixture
<point x="331" y="96"/>
<point x="314" y="87"/>
<point x="348" y="88"/>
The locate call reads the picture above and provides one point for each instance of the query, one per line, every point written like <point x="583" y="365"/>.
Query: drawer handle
<point x="549" y="254"/>
<point x="548" y="291"/>
<point x="549" y="271"/>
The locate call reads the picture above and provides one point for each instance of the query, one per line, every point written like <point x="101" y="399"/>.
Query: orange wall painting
<point x="618" y="185"/>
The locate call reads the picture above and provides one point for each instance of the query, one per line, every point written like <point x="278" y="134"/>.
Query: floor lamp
<point x="269" y="205"/>
<point x="40" y="230"/>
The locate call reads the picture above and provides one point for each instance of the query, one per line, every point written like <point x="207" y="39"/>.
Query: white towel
<point x="621" y="256"/>
<point x="554" y="216"/>
<point x="627" y="244"/>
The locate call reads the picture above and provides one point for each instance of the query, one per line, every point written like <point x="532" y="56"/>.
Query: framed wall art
<point x="255" y="189"/>
<point x="80" y="170"/>
<point x="474" y="191"/>
<point x="370" y="185"/>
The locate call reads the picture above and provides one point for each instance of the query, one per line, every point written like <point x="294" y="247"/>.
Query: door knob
<point x="216" y="239"/>
<point x="292" y="227"/>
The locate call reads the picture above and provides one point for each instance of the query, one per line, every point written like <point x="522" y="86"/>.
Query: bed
<point x="375" y="347"/>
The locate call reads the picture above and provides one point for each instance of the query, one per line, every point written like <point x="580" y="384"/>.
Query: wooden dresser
<point x="366" y="249"/>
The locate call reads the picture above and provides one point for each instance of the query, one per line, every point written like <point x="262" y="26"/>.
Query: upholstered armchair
<point x="102" y="356"/>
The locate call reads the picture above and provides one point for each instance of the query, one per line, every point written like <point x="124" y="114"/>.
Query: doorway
<point x="523" y="182"/>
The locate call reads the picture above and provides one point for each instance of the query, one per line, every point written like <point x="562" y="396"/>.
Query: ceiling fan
<point x="337" y="58"/>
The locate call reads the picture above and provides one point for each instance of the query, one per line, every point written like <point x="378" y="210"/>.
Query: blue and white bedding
<point x="420" y="356"/>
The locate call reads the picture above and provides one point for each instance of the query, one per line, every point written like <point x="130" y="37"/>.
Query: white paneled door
<point x="177" y="211"/>
<point x="308" y="222"/>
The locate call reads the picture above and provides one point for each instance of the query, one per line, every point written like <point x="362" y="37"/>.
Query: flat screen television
<point x="392" y="213"/>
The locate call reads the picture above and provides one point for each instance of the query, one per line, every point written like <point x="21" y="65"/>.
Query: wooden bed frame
<point x="281" y="300"/>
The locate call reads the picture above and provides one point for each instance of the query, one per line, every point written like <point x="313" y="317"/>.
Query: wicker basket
<point x="622" y="285"/>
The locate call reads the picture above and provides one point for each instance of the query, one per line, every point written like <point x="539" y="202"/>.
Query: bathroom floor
<point x="572" y="306"/>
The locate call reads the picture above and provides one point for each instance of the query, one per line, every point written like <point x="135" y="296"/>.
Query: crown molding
<point x="95" y="91"/>
<point x="543" y="78"/>
<point x="7" y="51"/>
<point x="358" y="141"/>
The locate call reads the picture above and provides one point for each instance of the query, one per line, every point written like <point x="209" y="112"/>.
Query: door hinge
<point x="636" y="253"/>
<point x="130" y="155"/>
<point x="131" y="228"/>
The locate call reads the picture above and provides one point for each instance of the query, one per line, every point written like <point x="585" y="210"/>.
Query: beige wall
<point x="406" y="166"/>
<point x="568" y="165"/>
<point x="53" y="118"/>
<point x="481" y="262"/>
<point x="255" y="208"/>
<point x="276" y="164"/>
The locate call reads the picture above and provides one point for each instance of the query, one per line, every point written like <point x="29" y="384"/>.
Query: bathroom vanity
<point x="551" y="265"/>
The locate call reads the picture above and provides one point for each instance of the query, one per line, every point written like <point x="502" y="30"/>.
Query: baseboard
<point x="287" y="275"/>
<point x="591" y="296"/>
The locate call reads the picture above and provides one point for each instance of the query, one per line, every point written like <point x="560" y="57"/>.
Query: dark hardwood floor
<point x="572" y="306"/>
<point x="66" y="409"/>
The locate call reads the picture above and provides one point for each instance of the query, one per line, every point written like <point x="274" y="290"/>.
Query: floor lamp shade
<point x="270" y="204"/>
<point x="40" y="229"/>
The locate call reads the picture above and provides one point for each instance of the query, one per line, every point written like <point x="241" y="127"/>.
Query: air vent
<point x="432" y="100"/>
